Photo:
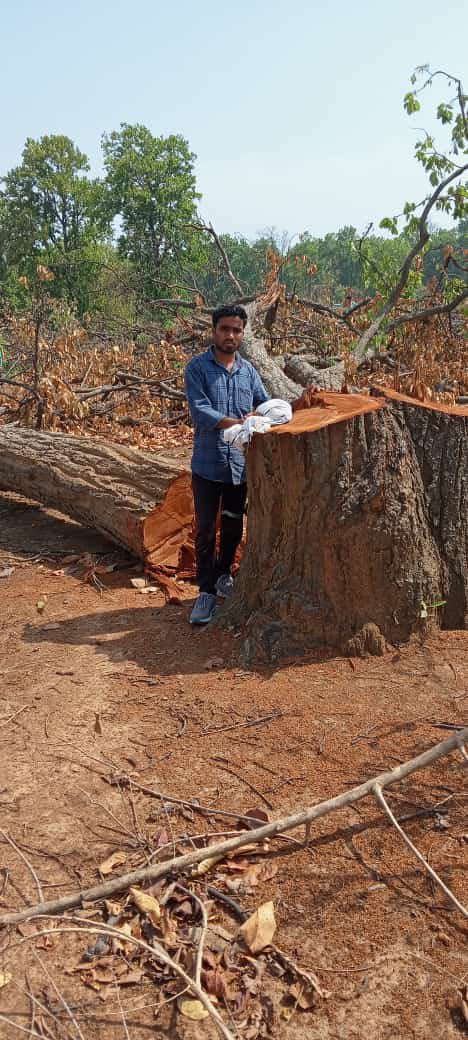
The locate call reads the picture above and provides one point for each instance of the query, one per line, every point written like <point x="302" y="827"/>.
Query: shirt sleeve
<point x="259" y="393"/>
<point x="201" y="408"/>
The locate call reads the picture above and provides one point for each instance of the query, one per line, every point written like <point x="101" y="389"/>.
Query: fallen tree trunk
<point x="358" y="527"/>
<point x="140" y="501"/>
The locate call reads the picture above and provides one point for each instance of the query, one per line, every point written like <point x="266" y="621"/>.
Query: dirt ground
<point x="106" y="681"/>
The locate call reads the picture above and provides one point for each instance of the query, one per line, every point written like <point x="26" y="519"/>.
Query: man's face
<point x="227" y="335"/>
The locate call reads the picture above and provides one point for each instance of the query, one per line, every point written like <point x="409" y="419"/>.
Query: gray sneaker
<point x="224" y="585"/>
<point x="204" y="609"/>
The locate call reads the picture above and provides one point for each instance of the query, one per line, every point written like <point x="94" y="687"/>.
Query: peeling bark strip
<point x="303" y="818"/>
<point x="140" y="501"/>
<point x="358" y="516"/>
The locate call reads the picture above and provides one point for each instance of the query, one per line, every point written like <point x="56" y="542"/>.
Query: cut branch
<point x="181" y="864"/>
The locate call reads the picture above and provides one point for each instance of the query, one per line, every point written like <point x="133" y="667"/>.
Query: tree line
<point x="115" y="245"/>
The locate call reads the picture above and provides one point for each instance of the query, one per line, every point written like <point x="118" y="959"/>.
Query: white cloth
<point x="241" y="434"/>
<point x="276" y="410"/>
<point x="270" y="413"/>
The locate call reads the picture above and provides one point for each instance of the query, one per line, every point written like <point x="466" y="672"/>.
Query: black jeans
<point x="207" y="496"/>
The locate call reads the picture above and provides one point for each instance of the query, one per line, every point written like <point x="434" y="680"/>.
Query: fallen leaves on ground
<point x="109" y="864"/>
<point x="192" y="1009"/>
<point x="259" y="929"/>
<point x="146" y="903"/>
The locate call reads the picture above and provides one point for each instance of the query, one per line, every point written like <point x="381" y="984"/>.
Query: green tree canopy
<point x="151" y="192"/>
<point x="51" y="213"/>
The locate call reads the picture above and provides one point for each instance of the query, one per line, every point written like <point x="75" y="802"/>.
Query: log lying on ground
<point x="358" y="526"/>
<point x="140" y="501"/>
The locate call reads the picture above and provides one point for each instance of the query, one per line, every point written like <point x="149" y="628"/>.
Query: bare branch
<point x="435" y="877"/>
<point x="423" y="237"/>
<point x="429" y="312"/>
<point x="219" y="245"/>
<point x="304" y="818"/>
<point x="321" y="308"/>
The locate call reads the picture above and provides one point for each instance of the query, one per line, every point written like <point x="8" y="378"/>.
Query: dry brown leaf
<point x="41" y="604"/>
<point x="217" y="983"/>
<point x="255" y="817"/>
<point x="105" y="976"/>
<point x="131" y="978"/>
<point x="259" y="872"/>
<point x="461" y="1003"/>
<point x="5" y="978"/>
<point x="303" y="995"/>
<point x="115" y="860"/>
<point x="192" y="1009"/>
<point x="207" y="864"/>
<point x="145" y="903"/>
<point x="113" y="909"/>
<point x="259" y="929"/>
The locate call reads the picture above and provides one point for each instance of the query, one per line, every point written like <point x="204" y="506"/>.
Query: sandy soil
<point x="105" y="682"/>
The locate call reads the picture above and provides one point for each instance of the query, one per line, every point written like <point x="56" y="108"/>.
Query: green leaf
<point x="411" y="103"/>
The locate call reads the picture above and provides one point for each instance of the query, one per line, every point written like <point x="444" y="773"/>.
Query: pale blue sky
<point x="294" y="110"/>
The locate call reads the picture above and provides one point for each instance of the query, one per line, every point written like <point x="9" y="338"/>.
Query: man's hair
<point x="229" y="312"/>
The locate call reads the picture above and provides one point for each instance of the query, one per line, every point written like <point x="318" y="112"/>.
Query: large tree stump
<point x="357" y="524"/>
<point x="140" y="501"/>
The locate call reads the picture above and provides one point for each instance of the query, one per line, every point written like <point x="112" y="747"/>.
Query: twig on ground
<point x="201" y="943"/>
<point x="247" y="783"/>
<point x="304" y="818"/>
<point x="203" y="810"/>
<point x="377" y="791"/>
<point x="121" y="828"/>
<point x="59" y="994"/>
<point x="363" y="736"/>
<point x="34" y="1001"/>
<point x="243" y="725"/>
<point x="23" y="1029"/>
<point x="122" y="1013"/>
<point x="155" y="951"/>
<point x="283" y="958"/>
<point x="10" y="718"/>
<point x="26" y="861"/>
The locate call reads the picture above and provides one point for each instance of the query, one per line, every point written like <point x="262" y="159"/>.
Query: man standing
<point x="222" y="388"/>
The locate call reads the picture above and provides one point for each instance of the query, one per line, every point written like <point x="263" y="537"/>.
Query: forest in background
<point x="118" y="245"/>
<point x="110" y="280"/>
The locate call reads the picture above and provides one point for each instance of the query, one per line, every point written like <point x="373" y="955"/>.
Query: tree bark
<point x="301" y="370"/>
<point x="140" y="501"/>
<point x="276" y="383"/>
<point x="358" y="524"/>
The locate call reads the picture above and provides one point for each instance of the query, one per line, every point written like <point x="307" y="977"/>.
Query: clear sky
<point x="294" y="110"/>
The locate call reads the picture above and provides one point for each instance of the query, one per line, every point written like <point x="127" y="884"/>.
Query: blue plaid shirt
<point x="213" y="394"/>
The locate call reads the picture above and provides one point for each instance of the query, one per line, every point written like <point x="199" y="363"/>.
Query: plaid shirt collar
<point x="238" y="363"/>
